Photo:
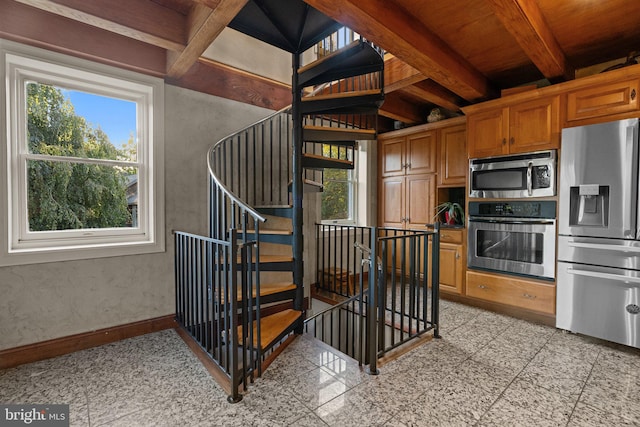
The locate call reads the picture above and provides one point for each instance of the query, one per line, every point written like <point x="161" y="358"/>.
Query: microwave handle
<point x="494" y="220"/>
<point x="529" y="179"/>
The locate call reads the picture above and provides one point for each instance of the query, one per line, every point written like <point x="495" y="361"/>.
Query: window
<point x="84" y="153"/>
<point x="339" y="193"/>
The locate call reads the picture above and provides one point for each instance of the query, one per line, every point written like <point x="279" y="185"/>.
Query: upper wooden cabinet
<point x="409" y="154"/>
<point x="602" y="100"/>
<point x="518" y="128"/>
<point x="453" y="156"/>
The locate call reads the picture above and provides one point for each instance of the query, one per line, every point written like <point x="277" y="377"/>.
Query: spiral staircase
<point x="247" y="275"/>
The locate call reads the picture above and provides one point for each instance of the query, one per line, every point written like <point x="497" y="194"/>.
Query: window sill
<point x="53" y="254"/>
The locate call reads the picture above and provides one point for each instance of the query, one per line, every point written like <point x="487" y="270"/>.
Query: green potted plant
<point x="453" y="213"/>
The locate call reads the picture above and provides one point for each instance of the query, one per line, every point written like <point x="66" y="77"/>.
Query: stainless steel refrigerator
<point x="598" y="277"/>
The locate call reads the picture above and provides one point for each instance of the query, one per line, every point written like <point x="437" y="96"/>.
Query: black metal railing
<point x="248" y="169"/>
<point x="338" y="260"/>
<point x="409" y="296"/>
<point x="401" y="300"/>
<point x="215" y="303"/>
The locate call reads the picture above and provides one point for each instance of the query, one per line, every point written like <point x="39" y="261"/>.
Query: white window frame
<point x="353" y="200"/>
<point x="21" y="64"/>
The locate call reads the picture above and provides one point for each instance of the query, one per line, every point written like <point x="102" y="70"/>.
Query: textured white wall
<point x="44" y="301"/>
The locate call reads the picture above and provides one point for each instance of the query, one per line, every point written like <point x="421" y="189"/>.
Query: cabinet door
<point x="392" y="200"/>
<point x="534" y="125"/>
<point x="453" y="156"/>
<point x="601" y="101"/>
<point x="420" y="191"/>
<point x="421" y="153"/>
<point x="451" y="268"/>
<point x="488" y="133"/>
<point x="392" y="157"/>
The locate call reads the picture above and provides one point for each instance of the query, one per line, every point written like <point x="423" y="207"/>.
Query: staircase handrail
<point x="255" y="214"/>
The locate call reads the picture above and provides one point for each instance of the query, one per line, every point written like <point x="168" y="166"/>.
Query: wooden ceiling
<point x="445" y="54"/>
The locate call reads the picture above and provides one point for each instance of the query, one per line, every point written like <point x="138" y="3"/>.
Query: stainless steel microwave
<point x="513" y="176"/>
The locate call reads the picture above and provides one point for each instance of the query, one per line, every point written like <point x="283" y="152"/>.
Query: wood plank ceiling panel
<point x="470" y="28"/>
<point x="592" y="32"/>
<point x="402" y="34"/>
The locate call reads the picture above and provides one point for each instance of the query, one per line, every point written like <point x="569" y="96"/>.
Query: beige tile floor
<point x="487" y="370"/>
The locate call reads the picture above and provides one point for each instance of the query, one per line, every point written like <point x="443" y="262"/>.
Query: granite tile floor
<point x="486" y="370"/>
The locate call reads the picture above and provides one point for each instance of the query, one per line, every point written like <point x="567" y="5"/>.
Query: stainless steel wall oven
<point x="516" y="237"/>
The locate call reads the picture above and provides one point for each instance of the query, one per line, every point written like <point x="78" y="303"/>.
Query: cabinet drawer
<point x="512" y="291"/>
<point x="603" y="100"/>
<point x="448" y="235"/>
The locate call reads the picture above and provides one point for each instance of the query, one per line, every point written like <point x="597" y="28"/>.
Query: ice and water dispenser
<point x="589" y="205"/>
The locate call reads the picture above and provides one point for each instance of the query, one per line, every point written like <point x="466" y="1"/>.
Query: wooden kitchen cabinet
<point x="602" y="100"/>
<point x="408" y="154"/>
<point x="453" y="166"/>
<point x="407" y="201"/>
<point x="527" y="294"/>
<point x="518" y="128"/>
<point x="452" y="250"/>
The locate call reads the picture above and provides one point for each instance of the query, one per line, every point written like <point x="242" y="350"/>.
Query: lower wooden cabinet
<point x="451" y="272"/>
<point x="528" y="294"/>
<point x="452" y="263"/>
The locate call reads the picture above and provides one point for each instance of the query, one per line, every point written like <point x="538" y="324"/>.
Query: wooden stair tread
<point x="330" y="56"/>
<point x="271" y="327"/>
<point x="321" y="157"/>
<point x="267" y="231"/>
<point x="268" y="289"/>
<point x="341" y="95"/>
<point x="275" y="287"/>
<point x="273" y="206"/>
<point x="357" y="133"/>
<point x="274" y="258"/>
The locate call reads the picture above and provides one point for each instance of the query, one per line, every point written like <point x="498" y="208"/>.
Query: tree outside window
<point x="66" y="195"/>
<point x="338" y="195"/>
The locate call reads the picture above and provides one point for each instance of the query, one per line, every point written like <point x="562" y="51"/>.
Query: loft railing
<point x="391" y="288"/>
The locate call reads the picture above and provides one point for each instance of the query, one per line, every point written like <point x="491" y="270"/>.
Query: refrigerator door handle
<point x="598" y="246"/>
<point x="606" y="276"/>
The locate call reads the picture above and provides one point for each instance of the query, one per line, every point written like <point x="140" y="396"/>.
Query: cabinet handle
<point x="528" y="296"/>
<point x="409" y="165"/>
<point x="457" y="255"/>
<point x="444" y="236"/>
<point x="483" y="287"/>
<point x="512" y="140"/>
<point x="633" y="94"/>
<point x="504" y="141"/>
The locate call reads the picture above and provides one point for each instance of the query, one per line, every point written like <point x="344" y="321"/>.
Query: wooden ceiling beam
<point x="524" y="20"/>
<point x="221" y="80"/>
<point x="397" y="31"/>
<point x="398" y="74"/>
<point x="42" y="29"/>
<point x="432" y="92"/>
<point x="204" y="25"/>
<point x="141" y="20"/>
<point x="396" y="108"/>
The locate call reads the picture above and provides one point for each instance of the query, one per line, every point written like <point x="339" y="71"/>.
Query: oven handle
<point x="493" y="220"/>
<point x="600" y="275"/>
<point x="614" y="248"/>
